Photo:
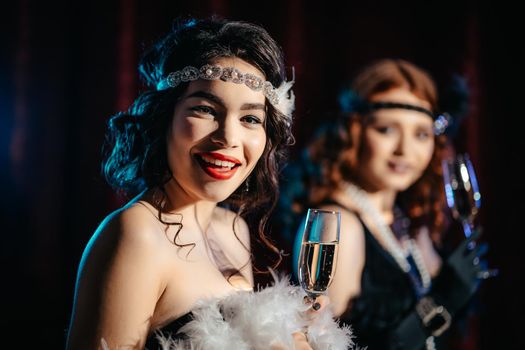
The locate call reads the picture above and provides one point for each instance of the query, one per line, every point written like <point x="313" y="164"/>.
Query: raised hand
<point x="461" y="274"/>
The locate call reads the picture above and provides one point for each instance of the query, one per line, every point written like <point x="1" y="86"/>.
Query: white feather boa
<point x="257" y="321"/>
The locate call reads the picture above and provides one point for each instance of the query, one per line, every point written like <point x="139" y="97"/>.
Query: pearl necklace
<point x="390" y="243"/>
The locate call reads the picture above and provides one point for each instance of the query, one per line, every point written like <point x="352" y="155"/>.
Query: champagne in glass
<point x="462" y="191"/>
<point x="318" y="255"/>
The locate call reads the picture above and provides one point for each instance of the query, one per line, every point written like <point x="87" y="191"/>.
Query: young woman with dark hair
<point x="198" y="152"/>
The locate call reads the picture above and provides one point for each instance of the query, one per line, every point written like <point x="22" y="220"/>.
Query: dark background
<point x="66" y="66"/>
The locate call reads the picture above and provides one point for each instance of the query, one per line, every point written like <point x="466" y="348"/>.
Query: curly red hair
<point x="338" y="151"/>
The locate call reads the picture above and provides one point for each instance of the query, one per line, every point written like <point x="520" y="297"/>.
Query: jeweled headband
<point x="441" y="121"/>
<point x="351" y="102"/>
<point x="282" y="98"/>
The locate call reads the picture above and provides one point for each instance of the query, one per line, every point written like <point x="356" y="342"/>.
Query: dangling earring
<point x="247" y="185"/>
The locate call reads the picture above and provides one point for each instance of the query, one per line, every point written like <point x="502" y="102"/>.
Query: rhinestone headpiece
<point x="282" y="98"/>
<point x="350" y="102"/>
<point x="441" y="121"/>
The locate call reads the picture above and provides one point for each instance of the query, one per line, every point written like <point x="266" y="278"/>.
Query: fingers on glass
<point x="485" y="274"/>
<point x="312" y="300"/>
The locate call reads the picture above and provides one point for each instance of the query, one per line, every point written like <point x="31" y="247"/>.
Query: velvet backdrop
<point x="66" y="66"/>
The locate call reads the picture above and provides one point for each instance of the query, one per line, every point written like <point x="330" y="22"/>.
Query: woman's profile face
<point x="217" y="135"/>
<point x="398" y="143"/>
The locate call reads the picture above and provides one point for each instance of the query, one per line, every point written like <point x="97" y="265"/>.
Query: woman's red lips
<point x="218" y="166"/>
<point x="399" y="167"/>
<point x="220" y="156"/>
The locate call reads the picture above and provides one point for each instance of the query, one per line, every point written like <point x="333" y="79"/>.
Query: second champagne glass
<point x="464" y="198"/>
<point x="462" y="191"/>
<point x="318" y="254"/>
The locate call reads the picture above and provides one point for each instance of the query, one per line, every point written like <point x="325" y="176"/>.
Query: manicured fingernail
<point x="316" y="306"/>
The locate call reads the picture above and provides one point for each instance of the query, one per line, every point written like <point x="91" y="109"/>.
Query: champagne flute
<point x="318" y="254"/>
<point x="462" y="191"/>
<point x="464" y="198"/>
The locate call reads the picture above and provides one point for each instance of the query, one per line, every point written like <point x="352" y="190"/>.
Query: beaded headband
<point x="441" y="121"/>
<point x="282" y="98"/>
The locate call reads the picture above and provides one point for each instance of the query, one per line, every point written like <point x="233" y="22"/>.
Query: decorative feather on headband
<point x="286" y="99"/>
<point x="455" y="100"/>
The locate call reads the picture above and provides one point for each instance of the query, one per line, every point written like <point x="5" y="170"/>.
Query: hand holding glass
<point x="318" y="254"/>
<point x="464" y="199"/>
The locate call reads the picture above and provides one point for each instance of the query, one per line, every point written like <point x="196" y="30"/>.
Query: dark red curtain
<point x="65" y="67"/>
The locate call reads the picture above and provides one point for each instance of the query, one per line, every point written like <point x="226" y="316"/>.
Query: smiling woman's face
<point x="398" y="143"/>
<point x="217" y="135"/>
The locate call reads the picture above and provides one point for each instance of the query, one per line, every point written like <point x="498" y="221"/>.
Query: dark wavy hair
<point x="338" y="149"/>
<point x="135" y="148"/>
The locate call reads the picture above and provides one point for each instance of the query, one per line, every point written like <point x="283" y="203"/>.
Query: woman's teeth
<point x="218" y="162"/>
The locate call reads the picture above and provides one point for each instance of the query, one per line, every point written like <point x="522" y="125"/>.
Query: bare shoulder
<point x="123" y="264"/>
<point x="129" y="235"/>
<point x="350" y="260"/>
<point x="131" y="225"/>
<point x="351" y="227"/>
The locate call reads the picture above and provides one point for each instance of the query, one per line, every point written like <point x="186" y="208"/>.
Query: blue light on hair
<point x="349" y="101"/>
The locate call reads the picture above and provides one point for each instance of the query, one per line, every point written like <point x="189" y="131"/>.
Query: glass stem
<point x="467" y="227"/>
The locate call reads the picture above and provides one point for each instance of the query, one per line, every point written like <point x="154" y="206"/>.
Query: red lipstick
<point x="217" y="165"/>
<point x="220" y="156"/>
